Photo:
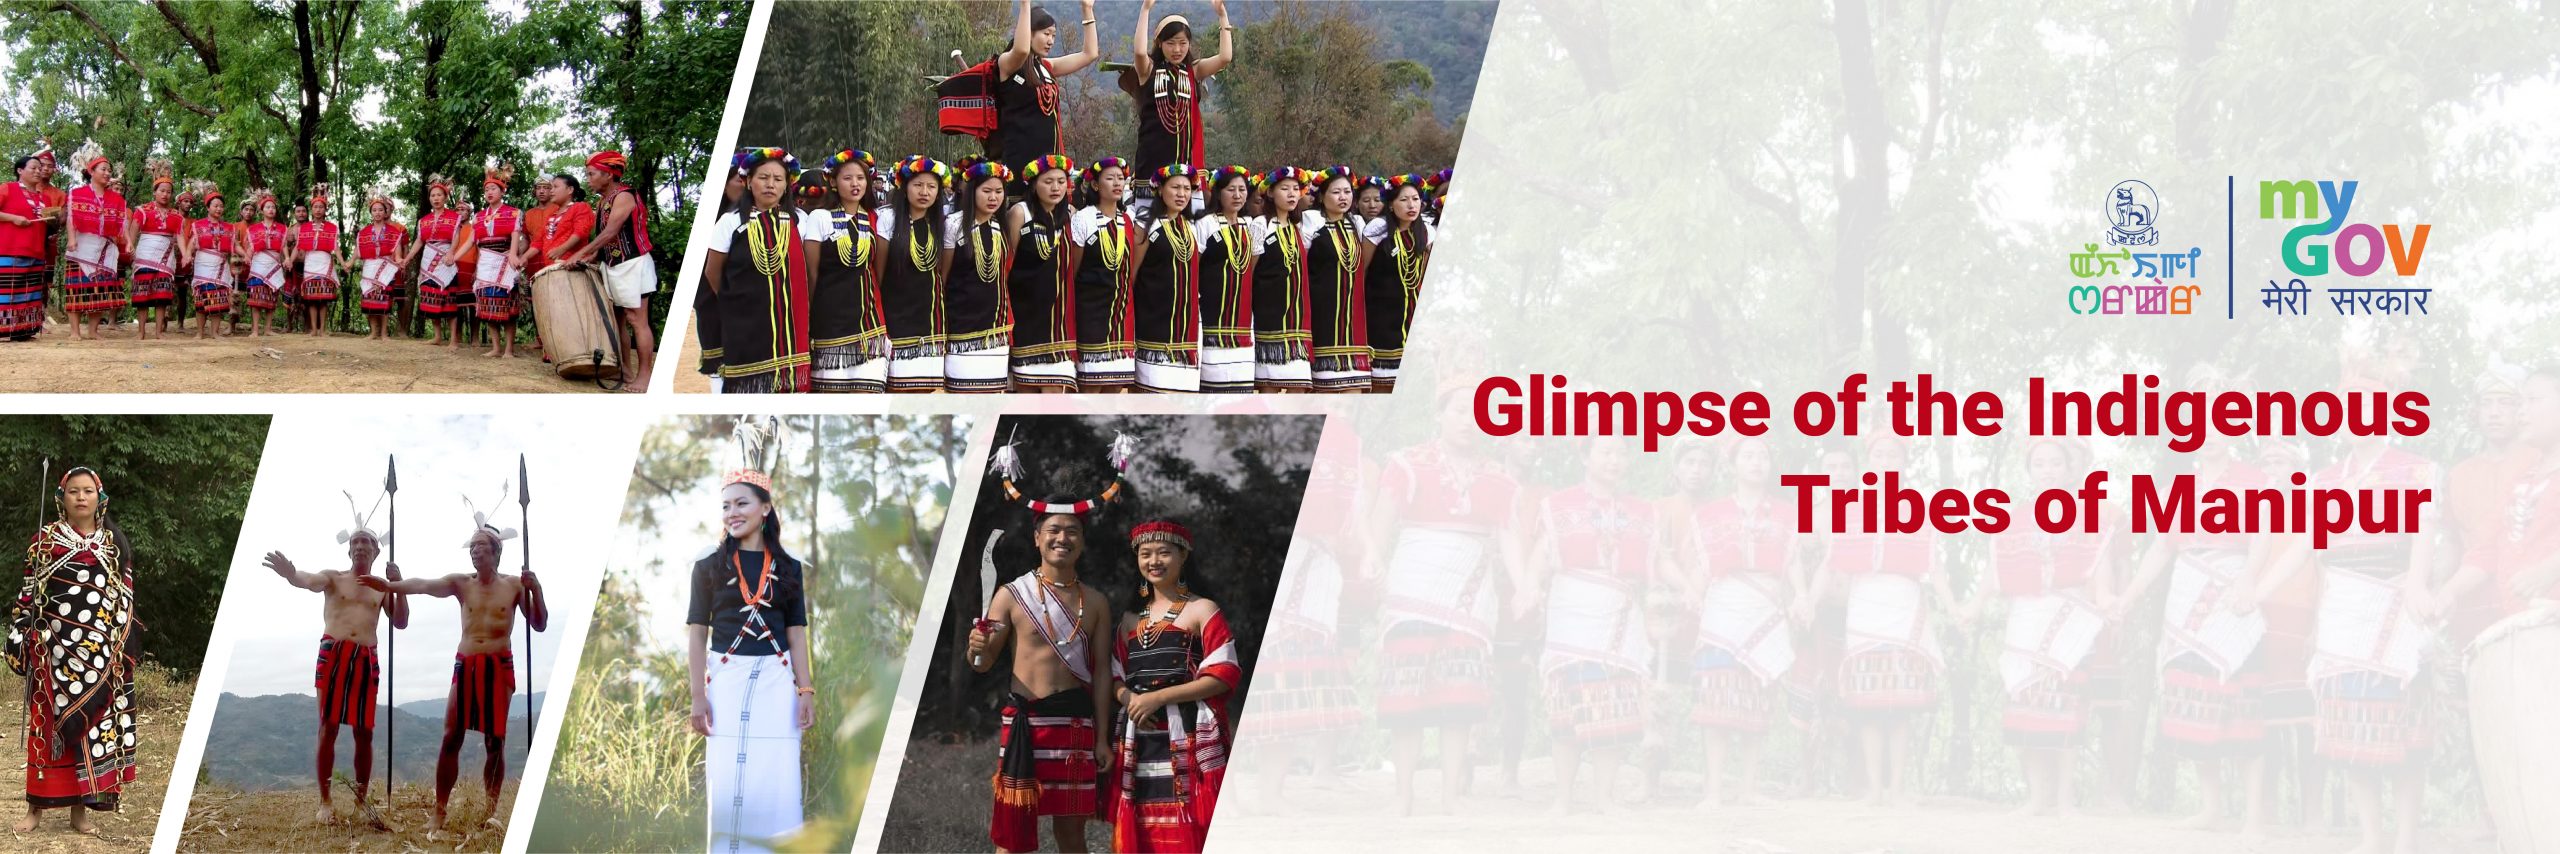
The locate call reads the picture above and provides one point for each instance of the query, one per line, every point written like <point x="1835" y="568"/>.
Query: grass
<point x="943" y="801"/>
<point x="165" y="696"/>
<point x="222" y="819"/>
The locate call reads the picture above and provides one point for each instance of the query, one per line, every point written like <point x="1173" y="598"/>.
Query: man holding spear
<point x="348" y="676"/>
<point x="484" y="678"/>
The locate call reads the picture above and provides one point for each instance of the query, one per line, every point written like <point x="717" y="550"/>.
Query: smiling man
<point x="1051" y="752"/>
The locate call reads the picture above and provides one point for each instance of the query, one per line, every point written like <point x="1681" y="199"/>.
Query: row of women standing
<point x="466" y="264"/>
<point x="979" y="278"/>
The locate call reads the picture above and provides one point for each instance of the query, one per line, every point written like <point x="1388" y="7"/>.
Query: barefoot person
<point x="1179" y="664"/>
<point x="209" y="245"/>
<point x="497" y="229"/>
<point x="67" y="635"/>
<point x="438" y="247"/>
<point x="378" y="247"/>
<point x="153" y="232"/>
<point x="484" y="666"/>
<point x="621" y="246"/>
<point x="349" y="674"/>
<point x="318" y="257"/>
<point x="756" y="699"/>
<point x="25" y="254"/>
<point x="1052" y="753"/>
<point x="94" y="290"/>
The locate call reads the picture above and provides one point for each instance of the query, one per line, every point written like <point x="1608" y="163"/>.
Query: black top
<point x="717" y="603"/>
<point x="1026" y="115"/>
<point x="907" y="288"/>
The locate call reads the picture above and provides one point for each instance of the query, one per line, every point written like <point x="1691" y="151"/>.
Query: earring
<point x="1147" y="590"/>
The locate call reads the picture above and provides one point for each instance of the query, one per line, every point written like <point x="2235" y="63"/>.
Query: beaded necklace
<point x="765" y="243"/>
<point x="852" y="248"/>
<point x="984" y="251"/>
<point x="1408" y="263"/>
<point x="920" y="250"/>
<point x="1115" y="245"/>
<point x="1232" y="231"/>
<point x="1287" y="236"/>
<point x="1155" y="624"/>
<point x="1051" y="591"/>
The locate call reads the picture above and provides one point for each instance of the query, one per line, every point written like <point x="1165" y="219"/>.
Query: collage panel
<point x="131" y="521"/>
<point x="756" y="605"/>
<point x="1115" y="589"/>
<point x="234" y="197"/>
<point x="378" y="698"/>
<point x="1098" y="196"/>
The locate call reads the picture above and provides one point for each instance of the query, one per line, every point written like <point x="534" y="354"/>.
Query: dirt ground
<point x="121" y="362"/>
<point x="689" y="378"/>
<point x="1355" y="809"/>
<point x="225" y="820"/>
<point x="137" y="816"/>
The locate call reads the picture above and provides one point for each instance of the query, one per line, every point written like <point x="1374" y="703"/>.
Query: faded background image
<point x="1738" y="196"/>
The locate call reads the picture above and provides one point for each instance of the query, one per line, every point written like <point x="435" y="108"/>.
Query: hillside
<point x="264" y="743"/>
<point x="224" y="819"/>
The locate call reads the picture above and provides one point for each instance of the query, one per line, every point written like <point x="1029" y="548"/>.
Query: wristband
<point x="807" y="691"/>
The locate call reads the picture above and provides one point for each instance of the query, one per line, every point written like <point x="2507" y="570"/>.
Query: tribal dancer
<point x="349" y="675"/>
<point x="1177" y="664"/>
<point x="262" y="241"/>
<point x="1042" y="282"/>
<point x="1745" y="650"/>
<point x="1165" y="80"/>
<point x="1305" y="702"/>
<point x="153" y="232"/>
<point x="440" y="236"/>
<point x="1028" y="125"/>
<point x="68" y="630"/>
<point x="1400" y="249"/>
<point x="764" y="304"/>
<point x="2054" y="588"/>
<point x="1594" y="552"/>
<point x="498" y="232"/>
<point x="848" y="336"/>
<point x="1892" y="665"/>
<point x="917" y="237"/>
<point x="484" y="665"/>
<point x="1224" y="281"/>
<point x="1166" y="292"/>
<point x="1051" y="751"/>
<point x="378" y="247"/>
<point x="1453" y="518"/>
<point x="25" y="249"/>
<point x="210" y="243"/>
<point x="1105" y="238"/>
<point x="2213" y="668"/>
<point x="564" y="231"/>
<point x="754" y="702"/>
<point x="977" y="310"/>
<point x="1335" y="254"/>
<point x="94" y="290"/>
<point x="1279" y="286"/>
<point x="2370" y="668"/>
<point x="319" y="257"/>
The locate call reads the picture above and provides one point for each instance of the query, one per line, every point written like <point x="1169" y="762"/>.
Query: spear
<point x="391" y="639"/>
<point x="524" y="505"/>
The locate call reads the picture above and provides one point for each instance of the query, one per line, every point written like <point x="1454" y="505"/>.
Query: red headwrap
<point x="1161" y="531"/>
<point x="608" y="161"/>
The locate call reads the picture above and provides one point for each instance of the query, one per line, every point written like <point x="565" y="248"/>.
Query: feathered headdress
<point x="499" y="173"/>
<point x="363" y="524"/>
<point x="161" y="171"/>
<point x="1006" y="463"/>
<point x="376" y="196"/>
<point x="439" y="180"/>
<point x="319" y="191"/>
<point x="89" y="156"/>
<point x="480" y="518"/>
<point x="759" y="444"/>
<point x="203" y="190"/>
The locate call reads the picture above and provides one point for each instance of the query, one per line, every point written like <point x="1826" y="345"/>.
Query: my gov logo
<point x="2116" y="279"/>
<point x="2331" y="241"/>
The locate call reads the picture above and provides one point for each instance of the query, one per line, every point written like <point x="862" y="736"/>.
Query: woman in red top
<point x="262" y="245"/>
<point x="318" y="256"/>
<point x="438" y="245"/>
<point x="493" y="281"/>
<point x="209" y="245"/>
<point x="566" y="230"/>
<point x="152" y="231"/>
<point x="378" y="248"/>
<point x="93" y="291"/>
<point x="25" y="266"/>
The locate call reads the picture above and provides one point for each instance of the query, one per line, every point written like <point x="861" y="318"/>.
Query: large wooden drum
<point x="575" y="319"/>
<point x="2515" y="685"/>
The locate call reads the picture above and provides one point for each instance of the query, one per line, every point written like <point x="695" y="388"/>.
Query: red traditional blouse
<point x="380" y="240"/>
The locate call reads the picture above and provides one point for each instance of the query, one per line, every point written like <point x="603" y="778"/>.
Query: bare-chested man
<point x="1052" y="752"/>
<point x="484" y="675"/>
<point x="349" y="674"/>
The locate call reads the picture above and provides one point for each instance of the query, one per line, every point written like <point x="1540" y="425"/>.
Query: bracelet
<point x="1088" y="22"/>
<point x="807" y="691"/>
